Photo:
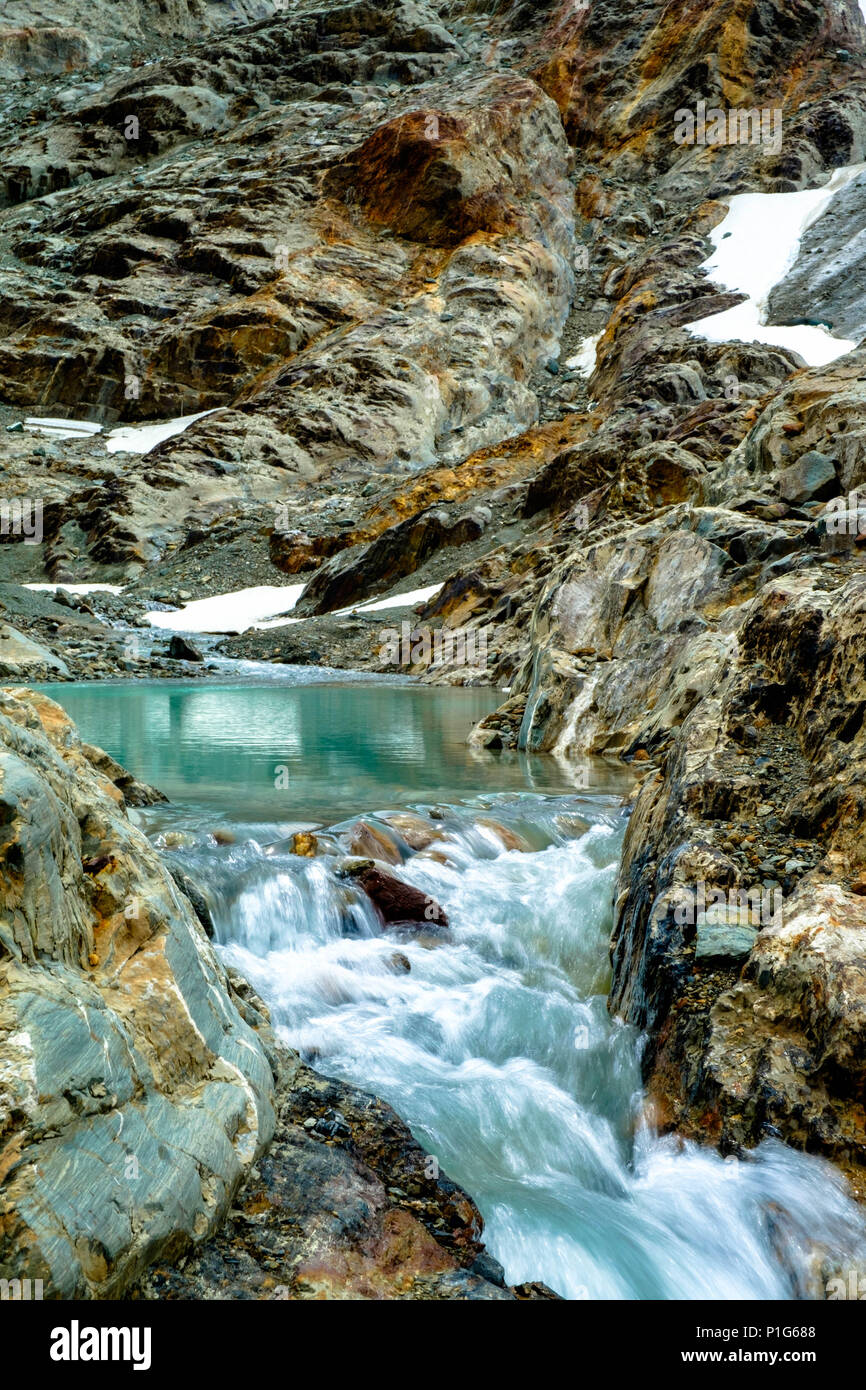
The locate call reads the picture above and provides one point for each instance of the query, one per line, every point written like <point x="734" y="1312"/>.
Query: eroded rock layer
<point x="135" y="1090"/>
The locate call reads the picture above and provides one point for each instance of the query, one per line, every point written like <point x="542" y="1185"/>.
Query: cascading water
<point x="497" y="1048"/>
<point x="500" y="1053"/>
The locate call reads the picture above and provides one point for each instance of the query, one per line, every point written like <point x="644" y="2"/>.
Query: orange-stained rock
<point x="154" y="1095"/>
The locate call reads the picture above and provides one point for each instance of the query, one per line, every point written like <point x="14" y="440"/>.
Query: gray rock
<point x="21" y="657"/>
<point x="811" y="478"/>
<point x="133" y="1095"/>
<point x="724" y="940"/>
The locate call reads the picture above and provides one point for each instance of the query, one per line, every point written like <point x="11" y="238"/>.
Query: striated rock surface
<point x="135" y="1094"/>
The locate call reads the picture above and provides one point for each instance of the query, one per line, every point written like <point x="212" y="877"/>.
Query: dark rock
<point x="181" y="650"/>
<point x="400" y="1229"/>
<point x="399" y="551"/>
<point x="333" y="1125"/>
<point x="195" y="895"/>
<point x="488" y="1268"/>
<point x="399" y="964"/>
<point x="398" y="904"/>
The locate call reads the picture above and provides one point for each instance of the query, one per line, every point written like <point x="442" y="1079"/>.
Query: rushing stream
<point x="497" y="1049"/>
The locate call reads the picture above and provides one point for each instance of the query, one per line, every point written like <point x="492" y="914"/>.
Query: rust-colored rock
<point x="398" y="904"/>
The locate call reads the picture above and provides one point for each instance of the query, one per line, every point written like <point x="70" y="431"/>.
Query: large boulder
<point x="21" y="657"/>
<point x="135" y="1091"/>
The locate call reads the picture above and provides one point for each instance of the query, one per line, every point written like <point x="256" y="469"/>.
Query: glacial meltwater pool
<point x="497" y="1049"/>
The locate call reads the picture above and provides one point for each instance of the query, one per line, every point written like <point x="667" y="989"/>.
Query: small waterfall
<point x="540" y="662"/>
<point x="500" y="1053"/>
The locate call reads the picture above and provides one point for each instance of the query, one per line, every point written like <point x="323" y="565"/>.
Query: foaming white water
<point x="500" y="1053"/>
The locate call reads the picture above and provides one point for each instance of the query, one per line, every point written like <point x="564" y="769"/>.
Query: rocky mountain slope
<point x="369" y="241"/>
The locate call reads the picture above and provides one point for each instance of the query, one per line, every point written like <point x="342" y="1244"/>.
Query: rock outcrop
<point x="135" y="1089"/>
<point x="345" y="1205"/>
<point x="759" y="807"/>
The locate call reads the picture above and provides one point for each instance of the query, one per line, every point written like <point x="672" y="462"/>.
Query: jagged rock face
<point x="726" y="640"/>
<point x="45" y="50"/>
<point x="134" y="1092"/>
<point x="621" y="75"/>
<point x="265" y="250"/>
<point x="764" y="786"/>
<point x="352" y="228"/>
<point x="816" y="411"/>
<point x="56" y="35"/>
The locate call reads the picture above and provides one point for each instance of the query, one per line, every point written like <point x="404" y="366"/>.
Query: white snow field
<point x="228" y="613"/>
<point x="756" y="245"/>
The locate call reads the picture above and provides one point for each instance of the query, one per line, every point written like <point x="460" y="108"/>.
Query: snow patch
<point x="583" y="360"/>
<point x="140" y="439"/>
<point x="375" y="605"/>
<point x="755" y="247"/>
<point x="263" y="608"/>
<point x="51" y="427"/>
<point x="127" y="439"/>
<point x="277" y="622"/>
<point x="230" y="613"/>
<point x="78" y="588"/>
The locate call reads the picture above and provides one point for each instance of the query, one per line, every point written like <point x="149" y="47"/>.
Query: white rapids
<point x="500" y="1053"/>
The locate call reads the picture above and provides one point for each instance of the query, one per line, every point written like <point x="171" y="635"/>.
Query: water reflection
<point x="315" y="751"/>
